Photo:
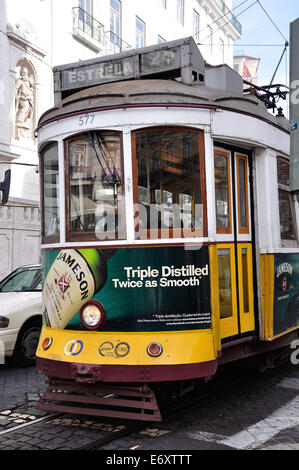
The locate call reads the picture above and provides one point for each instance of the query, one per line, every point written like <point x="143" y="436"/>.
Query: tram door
<point x="234" y="250"/>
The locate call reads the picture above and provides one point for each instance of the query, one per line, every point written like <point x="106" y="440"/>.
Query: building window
<point x="286" y="209"/>
<point x="210" y="38"/>
<point x="115" y="22"/>
<point x="196" y="25"/>
<point x="140" y="33"/>
<point x="169" y="195"/>
<point x="180" y="11"/>
<point x="222" y="51"/>
<point x="86" y="5"/>
<point x="95" y="192"/>
<point x="86" y="27"/>
<point x="85" y="15"/>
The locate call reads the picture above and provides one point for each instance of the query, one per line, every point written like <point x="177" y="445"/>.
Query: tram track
<point x="110" y="431"/>
<point x="168" y="410"/>
<point x="118" y="428"/>
<point x="208" y="391"/>
<point x="29" y="424"/>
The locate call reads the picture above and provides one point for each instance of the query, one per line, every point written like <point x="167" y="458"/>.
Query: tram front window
<point x="169" y="187"/>
<point x="95" y="202"/>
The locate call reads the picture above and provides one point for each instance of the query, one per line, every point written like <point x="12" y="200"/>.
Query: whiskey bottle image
<point x="74" y="277"/>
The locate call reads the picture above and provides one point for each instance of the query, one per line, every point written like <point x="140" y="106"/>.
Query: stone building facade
<point x="36" y="35"/>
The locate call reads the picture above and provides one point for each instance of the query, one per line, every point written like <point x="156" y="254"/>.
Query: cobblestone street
<point x="20" y="389"/>
<point x="260" y="413"/>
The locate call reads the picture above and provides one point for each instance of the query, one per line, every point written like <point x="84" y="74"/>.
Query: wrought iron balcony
<point x="114" y="44"/>
<point x="87" y="28"/>
<point x="228" y="14"/>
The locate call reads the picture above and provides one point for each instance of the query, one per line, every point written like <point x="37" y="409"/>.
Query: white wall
<point x="41" y="32"/>
<point x="158" y="21"/>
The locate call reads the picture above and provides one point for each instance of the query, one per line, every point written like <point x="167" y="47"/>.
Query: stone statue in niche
<point x="24" y="104"/>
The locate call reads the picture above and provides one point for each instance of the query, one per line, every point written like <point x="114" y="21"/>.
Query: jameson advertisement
<point x="286" y="292"/>
<point x="141" y="289"/>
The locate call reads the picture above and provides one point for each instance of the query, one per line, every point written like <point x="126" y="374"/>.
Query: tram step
<point x="109" y="400"/>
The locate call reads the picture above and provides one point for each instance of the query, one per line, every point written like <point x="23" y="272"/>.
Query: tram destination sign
<point x="176" y="58"/>
<point x="97" y="73"/>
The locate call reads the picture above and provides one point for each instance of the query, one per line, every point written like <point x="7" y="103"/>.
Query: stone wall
<point x="19" y="235"/>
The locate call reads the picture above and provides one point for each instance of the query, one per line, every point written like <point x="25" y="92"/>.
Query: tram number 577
<point x="86" y="119"/>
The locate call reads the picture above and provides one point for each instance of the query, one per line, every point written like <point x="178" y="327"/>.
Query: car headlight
<point x="4" y="322"/>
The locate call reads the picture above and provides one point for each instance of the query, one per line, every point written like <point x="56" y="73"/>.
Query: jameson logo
<point x="64" y="282"/>
<point x="69" y="283"/>
<point x="284" y="268"/>
<point x="184" y="276"/>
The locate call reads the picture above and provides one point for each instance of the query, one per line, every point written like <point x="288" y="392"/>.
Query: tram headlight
<point x="92" y="315"/>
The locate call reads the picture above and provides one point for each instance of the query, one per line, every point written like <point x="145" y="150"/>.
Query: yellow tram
<point x="168" y="231"/>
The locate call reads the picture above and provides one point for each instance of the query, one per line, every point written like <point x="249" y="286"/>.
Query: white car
<point x="21" y="314"/>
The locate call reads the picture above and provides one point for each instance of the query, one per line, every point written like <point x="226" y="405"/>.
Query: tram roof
<point x="159" y="92"/>
<point x="156" y="75"/>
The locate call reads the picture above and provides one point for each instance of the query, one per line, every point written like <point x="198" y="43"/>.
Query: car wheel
<point x="25" y="350"/>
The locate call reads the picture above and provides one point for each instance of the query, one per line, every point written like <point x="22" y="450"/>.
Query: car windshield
<point x="24" y="280"/>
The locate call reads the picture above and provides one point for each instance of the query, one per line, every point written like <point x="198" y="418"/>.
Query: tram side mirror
<point x="5" y="186"/>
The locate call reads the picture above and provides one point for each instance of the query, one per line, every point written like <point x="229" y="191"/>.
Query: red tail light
<point x="47" y="343"/>
<point x="154" y="349"/>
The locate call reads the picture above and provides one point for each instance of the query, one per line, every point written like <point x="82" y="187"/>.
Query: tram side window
<point x="222" y="191"/>
<point x="286" y="214"/>
<point x="169" y="183"/>
<point x="95" y="192"/>
<point x="225" y="283"/>
<point x="242" y="194"/>
<point x="50" y="193"/>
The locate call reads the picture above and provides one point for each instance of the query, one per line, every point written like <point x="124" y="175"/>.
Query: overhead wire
<point x="223" y="16"/>
<point x="251" y="45"/>
<point x="236" y="16"/>
<point x="286" y="44"/>
<point x="247" y="45"/>
<point x="275" y="25"/>
<point x="244" y="45"/>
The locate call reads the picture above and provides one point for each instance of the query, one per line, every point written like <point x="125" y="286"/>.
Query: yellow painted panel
<point x="214" y="284"/>
<point x="228" y="325"/>
<point x="245" y="273"/>
<point x="267" y="287"/>
<point x="180" y="347"/>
